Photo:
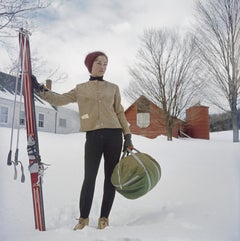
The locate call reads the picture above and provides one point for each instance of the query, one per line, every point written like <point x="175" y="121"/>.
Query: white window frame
<point x="4" y="116"/>
<point x="22" y="118"/>
<point x="62" y="122"/>
<point x="143" y="120"/>
<point x="41" y="121"/>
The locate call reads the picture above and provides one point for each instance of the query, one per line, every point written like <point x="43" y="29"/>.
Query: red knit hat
<point x="90" y="59"/>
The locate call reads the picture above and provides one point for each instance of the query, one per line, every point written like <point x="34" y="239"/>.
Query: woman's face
<point x="99" y="66"/>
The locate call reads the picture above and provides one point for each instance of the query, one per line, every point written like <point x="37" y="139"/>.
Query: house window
<point x="22" y="118"/>
<point x="62" y="122"/>
<point x="41" y="120"/>
<point x="143" y="120"/>
<point x="3" y="114"/>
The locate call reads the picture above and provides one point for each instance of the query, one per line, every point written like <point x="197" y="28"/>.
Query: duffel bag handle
<point x="126" y="153"/>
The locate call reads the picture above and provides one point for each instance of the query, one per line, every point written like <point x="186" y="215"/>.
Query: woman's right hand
<point x="127" y="142"/>
<point x="36" y="86"/>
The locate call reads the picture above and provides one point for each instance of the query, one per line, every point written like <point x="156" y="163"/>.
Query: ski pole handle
<point x="16" y="157"/>
<point x="9" y="162"/>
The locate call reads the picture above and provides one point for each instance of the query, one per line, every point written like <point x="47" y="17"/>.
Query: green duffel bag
<point x="135" y="174"/>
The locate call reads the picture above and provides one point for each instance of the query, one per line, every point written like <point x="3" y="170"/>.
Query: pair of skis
<point x="36" y="167"/>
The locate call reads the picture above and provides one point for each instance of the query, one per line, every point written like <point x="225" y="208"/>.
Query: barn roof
<point x="142" y="98"/>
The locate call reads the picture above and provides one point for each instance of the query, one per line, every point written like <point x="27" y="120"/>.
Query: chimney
<point x="49" y="84"/>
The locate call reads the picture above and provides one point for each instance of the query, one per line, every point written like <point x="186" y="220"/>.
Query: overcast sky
<point x="66" y="31"/>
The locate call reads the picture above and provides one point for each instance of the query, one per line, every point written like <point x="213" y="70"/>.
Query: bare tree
<point x="218" y="39"/>
<point x="41" y="69"/>
<point x="13" y="12"/>
<point x="165" y="73"/>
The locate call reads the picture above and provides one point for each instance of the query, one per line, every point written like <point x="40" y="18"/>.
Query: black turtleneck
<point x="100" y="78"/>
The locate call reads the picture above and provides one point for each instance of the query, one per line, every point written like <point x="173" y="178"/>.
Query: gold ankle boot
<point x="103" y="223"/>
<point x="82" y="222"/>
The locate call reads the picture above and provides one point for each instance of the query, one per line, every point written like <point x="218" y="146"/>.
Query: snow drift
<point x="197" y="198"/>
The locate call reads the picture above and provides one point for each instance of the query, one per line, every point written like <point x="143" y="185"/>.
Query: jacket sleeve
<point x="59" y="99"/>
<point x="120" y="112"/>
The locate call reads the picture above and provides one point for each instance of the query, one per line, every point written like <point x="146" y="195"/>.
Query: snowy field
<point x="197" y="198"/>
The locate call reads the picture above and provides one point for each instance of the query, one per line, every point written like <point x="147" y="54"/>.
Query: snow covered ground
<point x="197" y="198"/>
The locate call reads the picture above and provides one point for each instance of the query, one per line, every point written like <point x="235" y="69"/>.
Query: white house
<point x="60" y="120"/>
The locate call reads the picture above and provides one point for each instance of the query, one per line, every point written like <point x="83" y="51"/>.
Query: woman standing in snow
<point x="102" y="118"/>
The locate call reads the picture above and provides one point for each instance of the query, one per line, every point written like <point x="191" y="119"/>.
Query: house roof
<point x="8" y="86"/>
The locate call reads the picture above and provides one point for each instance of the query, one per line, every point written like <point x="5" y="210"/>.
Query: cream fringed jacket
<point x="99" y="104"/>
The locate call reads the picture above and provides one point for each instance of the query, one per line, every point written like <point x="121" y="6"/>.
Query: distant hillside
<point x="222" y="122"/>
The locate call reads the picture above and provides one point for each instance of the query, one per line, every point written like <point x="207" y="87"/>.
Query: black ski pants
<point x="106" y="143"/>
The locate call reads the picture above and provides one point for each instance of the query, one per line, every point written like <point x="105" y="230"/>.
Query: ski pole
<point x="9" y="159"/>
<point x="16" y="161"/>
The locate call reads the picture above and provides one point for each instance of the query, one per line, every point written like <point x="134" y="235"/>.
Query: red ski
<point x="36" y="167"/>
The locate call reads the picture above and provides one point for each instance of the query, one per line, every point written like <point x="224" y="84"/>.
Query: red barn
<point x="147" y="119"/>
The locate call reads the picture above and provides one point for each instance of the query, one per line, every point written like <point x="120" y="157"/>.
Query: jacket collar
<point x="99" y="78"/>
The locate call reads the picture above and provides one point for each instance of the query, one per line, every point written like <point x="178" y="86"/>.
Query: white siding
<point x="72" y="120"/>
<point x="51" y="117"/>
